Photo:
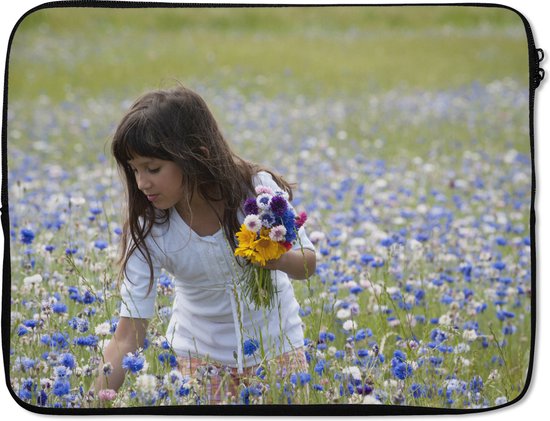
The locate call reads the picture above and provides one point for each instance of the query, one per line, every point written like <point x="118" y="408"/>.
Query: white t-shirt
<point x="211" y="318"/>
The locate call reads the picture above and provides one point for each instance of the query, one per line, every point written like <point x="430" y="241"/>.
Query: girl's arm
<point x="297" y="264"/>
<point x="128" y="337"/>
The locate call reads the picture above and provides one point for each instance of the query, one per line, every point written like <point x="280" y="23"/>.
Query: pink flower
<point x="301" y="219"/>
<point x="264" y="189"/>
<point x="107" y="395"/>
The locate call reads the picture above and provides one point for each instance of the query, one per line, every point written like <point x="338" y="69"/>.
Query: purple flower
<point x="251" y="207"/>
<point x="278" y="205"/>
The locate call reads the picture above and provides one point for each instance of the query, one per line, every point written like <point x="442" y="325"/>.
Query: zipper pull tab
<point x="539" y="73"/>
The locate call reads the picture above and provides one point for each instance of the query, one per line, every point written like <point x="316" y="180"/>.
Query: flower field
<point x="418" y="204"/>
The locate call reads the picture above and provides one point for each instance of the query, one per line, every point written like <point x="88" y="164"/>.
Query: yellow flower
<point x="247" y="246"/>
<point x="258" y="250"/>
<point x="267" y="248"/>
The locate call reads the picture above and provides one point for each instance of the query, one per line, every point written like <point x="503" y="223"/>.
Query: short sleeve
<point x="265" y="179"/>
<point x="136" y="299"/>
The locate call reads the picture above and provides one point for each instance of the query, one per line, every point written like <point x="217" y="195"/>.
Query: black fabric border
<point x="270" y="410"/>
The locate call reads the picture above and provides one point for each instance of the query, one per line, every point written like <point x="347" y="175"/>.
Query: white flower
<point x="371" y="400"/>
<point x="277" y="233"/>
<point x="77" y="201"/>
<point x="146" y="387"/>
<point x="445" y="320"/>
<point x="173" y="380"/>
<point x="252" y="223"/>
<point x="263" y="201"/>
<point x="501" y="400"/>
<point x="469" y="335"/>
<point x="353" y="371"/>
<point x="316" y="236"/>
<point x="343" y="313"/>
<point x="30" y="281"/>
<point x="103" y="329"/>
<point x="350" y="325"/>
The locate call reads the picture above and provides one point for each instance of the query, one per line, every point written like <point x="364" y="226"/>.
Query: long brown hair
<point x="177" y="125"/>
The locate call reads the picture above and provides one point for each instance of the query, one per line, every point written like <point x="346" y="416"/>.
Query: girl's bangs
<point x="138" y="140"/>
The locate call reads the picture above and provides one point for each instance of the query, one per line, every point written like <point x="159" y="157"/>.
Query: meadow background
<point x="407" y="131"/>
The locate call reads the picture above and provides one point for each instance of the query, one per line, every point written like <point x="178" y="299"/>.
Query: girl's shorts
<point x="220" y="384"/>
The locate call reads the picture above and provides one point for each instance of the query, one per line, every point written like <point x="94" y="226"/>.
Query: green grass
<point x="311" y="51"/>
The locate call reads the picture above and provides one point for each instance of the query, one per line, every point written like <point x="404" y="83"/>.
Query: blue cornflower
<point x="499" y="265"/>
<point x="476" y="384"/>
<point x="438" y="336"/>
<point x="133" y="363"/>
<point x="366" y="259"/>
<point x="96" y="211"/>
<point x="418" y="390"/>
<point x="101" y="244"/>
<point x="400" y="355"/>
<point x="22" y="330"/>
<point x="509" y="330"/>
<point x="81" y="325"/>
<point x="67" y="360"/>
<point x="25" y="391"/>
<point x="340" y="354"/>
<point x="356" y="290"/>
<point x="62" y="372"/>
<point x="88" y="297"/>
<point x="387" y="242"/>
<point x="250" y="346"/>
<point x="42" y="398"/>
<point x="504" y="314"/>
<point x="57" y="340"/>
<point x="260" y="372"/>
<point x="168" y="358"/>
<point x="61" y="387"/>
<point x="27" y="236"/>
<point x="305" y="378"/>
<point x="305" y="311"/>
<point x="165" y="281"/>
<point x="267" y="220"/>
<point x="30" y="323"/>
<point x="245" y="396"/>
<point x="361" y="353"/>
<point x="59" y="307"/>
<point x="400" y="369"/>
<point x="27" y="363"/>
<point x="320" y="367"/>
<point x="90" y="340"/>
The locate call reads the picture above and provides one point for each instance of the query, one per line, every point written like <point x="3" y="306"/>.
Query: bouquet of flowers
<point x="268" y="231"/>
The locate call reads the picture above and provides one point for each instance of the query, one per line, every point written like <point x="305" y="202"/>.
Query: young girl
<point x="185" y="190"/>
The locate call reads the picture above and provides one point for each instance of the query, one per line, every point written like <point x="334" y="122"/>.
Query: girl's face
<point x="160" y="181"/>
